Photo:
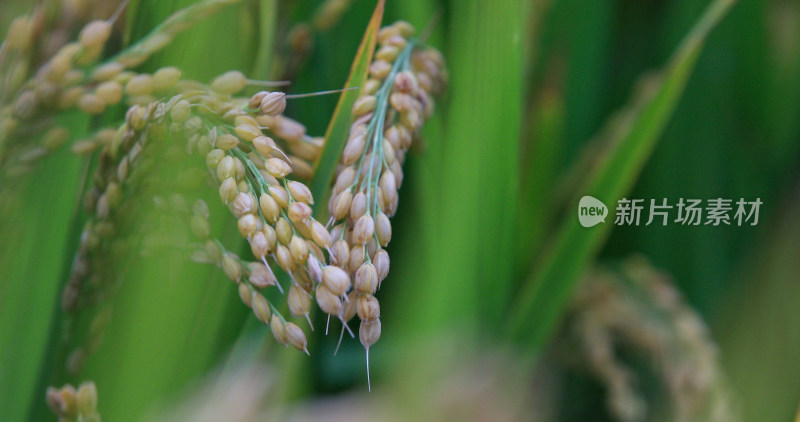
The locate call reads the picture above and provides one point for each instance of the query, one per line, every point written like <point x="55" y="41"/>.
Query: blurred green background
<point x="548" y="100"/>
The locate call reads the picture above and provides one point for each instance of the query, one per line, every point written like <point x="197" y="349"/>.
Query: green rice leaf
<point x="628" y="144"/>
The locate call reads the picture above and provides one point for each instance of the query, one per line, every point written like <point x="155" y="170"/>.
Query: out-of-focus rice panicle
<point x="637" y="312"/>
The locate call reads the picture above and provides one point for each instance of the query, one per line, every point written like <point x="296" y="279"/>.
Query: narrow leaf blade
<point x="548" y="288"/>
<point x="339" y="126"/>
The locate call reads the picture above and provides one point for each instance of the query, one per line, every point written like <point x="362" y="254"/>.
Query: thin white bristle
<point x="309" y="322"/>
<point x="341" y="335"/>
<point x="348" y="328"/>
<point x="117" y="12"/>
<point x="369" y="386"/>
<point x="278" y="285"/>
<point x="285" y="157"/>
<point x="314" y="94"/>
<point x="327" y="324"/>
